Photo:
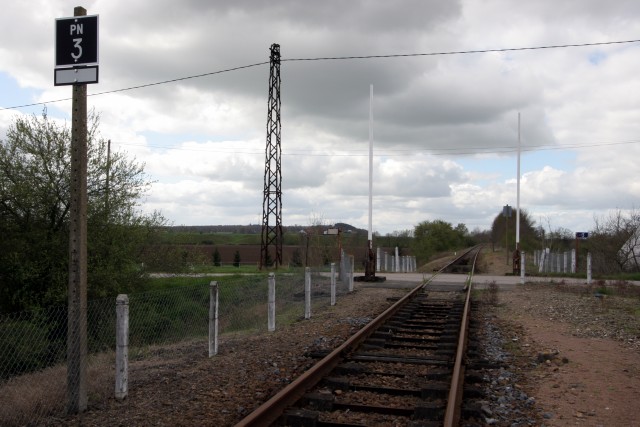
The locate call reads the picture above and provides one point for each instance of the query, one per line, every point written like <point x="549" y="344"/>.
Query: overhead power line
<point x="397" y="152"/>
<point x="335" y="58"/>
<point x="462" y="52"/>
<point x="144" y="85"/>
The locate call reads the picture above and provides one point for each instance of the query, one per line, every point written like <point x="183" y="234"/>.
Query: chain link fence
<point x="33" y="345"/>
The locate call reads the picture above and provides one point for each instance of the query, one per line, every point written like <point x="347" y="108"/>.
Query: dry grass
<point x="41" y="394"/>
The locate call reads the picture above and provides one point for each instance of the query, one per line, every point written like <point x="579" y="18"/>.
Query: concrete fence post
<point x="307" y="293"/>
<point x="396" y="267"/>
<point x="333" y="283"/>
<point x="122" y="346"/>
<point x="213" y="318"/>
<point x="378" y="258"/>
<point x="574" y="267"/>
<point x="522" y="267"/>
<point x="352" y="267"/>
<point x="588" y="268"/>
<point x="271" y="302"/>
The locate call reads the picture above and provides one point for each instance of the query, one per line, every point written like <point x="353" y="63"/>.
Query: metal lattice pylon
<point x="272" y="197"/>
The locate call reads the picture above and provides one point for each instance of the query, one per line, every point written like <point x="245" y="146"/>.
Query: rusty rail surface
<point x="454" y="402"/>
<point x="269" y="412"/>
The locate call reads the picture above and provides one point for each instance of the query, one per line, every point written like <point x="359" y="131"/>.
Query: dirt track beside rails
<point x="592" y="342"/>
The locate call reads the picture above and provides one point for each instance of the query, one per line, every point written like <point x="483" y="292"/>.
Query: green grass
<point x="224" y="269"/>
<point x="158" y="283"/>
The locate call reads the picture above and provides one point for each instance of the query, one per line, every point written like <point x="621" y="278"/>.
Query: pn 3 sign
<point x="77" y="41"/>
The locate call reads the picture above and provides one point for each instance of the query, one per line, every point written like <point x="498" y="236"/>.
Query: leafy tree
<point x="480" y="236"/>
<point x="431" y="237"/>
<point x="401" y="239"/>
<point x="236" y="259"/>
<point x="528" y="233"/>
<point x="34" y="214"/>
<point x="216" y="257"/>
<point x="296" y="258"/>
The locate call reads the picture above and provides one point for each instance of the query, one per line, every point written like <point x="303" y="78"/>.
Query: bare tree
<point x="615" y="242"/>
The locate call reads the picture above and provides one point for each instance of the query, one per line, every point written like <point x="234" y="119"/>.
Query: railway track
<point x="405" y="368"/>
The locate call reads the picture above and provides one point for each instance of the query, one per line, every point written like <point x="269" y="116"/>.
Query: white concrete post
<point x="122" y="346"/>
<point x="343" y="266"/>
<point x="333" y="283"/>
<point x="378" y="258"/>
<point x="307" y="293"/>
<point x="213" y="318"/>
<point x="271" y="302"/>
<point x="396" y="268"/>
<point x="522" y="264"/>
<point x="573" y="261"/>
<point x="352" y="267"/>
<point x="588" y="268"/>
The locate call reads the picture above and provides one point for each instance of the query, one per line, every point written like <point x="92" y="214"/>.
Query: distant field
<point x="224" y="238"/>
<point x="194" y="238"/>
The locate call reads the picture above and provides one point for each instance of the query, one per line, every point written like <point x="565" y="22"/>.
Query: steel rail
<point x="454" y="401"/>
<point x="450" y="263"/>
<point x="269" y="411"/>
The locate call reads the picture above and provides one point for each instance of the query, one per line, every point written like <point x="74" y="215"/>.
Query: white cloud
<point x="203" y="139"/>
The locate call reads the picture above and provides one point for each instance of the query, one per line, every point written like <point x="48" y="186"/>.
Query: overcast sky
<point x="445" y="126"/>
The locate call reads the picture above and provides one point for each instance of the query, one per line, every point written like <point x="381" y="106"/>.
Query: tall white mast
<point x="370" y="166"/>
<point x="518" y="201"/>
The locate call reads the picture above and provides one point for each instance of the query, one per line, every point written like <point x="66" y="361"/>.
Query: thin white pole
<point x="307" y="293"/>
<point x="333" y="283"/>
<point x="370" y="166"/>
<point x="518" y="201"/>
<point x="271" y="303"/>
<point x="122" y="347"/>
<point x="213" y="318"/>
